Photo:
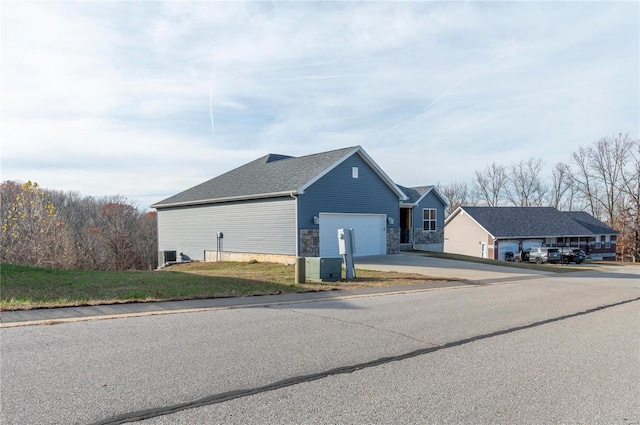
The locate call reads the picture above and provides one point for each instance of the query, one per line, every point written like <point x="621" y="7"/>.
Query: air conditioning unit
<point x="168" y="257"/>
<point x="323" y="268"/>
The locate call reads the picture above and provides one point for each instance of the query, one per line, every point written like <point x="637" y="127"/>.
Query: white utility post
<point x="347" y="245"/>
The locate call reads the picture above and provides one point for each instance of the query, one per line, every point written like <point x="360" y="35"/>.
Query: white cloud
<point x="97" y="95"/>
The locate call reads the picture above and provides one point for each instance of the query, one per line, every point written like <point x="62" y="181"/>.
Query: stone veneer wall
<point x="428" y="241"/>
<point x="309" y="242"/>
<point x="393" y="240"/>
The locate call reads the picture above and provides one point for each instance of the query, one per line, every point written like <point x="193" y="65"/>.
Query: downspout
<point x="297" y="226"/>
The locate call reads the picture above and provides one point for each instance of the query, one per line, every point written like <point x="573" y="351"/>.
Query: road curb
<point x="125" y="315"/>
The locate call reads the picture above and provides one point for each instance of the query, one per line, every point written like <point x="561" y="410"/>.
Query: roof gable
<point x="523" y="222"/>
<point x="418" y="193"/>
<point x="269" y="176"/>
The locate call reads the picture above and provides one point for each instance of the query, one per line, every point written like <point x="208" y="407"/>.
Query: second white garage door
<point x="370" y="230"/>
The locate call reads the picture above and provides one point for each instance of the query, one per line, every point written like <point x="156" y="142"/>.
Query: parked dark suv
<point x="542" y="254"/>
<point x="572" y="255"/>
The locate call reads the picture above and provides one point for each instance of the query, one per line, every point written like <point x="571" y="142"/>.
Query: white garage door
<point x="370" y="231"/>
<point x="507" y="246"/>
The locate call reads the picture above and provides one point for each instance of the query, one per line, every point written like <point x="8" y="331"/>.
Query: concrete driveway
<point x="438" y="267"/>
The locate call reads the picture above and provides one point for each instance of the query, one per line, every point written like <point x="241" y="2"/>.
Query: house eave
<point x="227" y="199"/>
<point x="564" y="235"/>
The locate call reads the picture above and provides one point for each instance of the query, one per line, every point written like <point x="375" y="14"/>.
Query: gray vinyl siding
<point x="429" y="201"/>
<point x="263" y="226"/>
<point x="339" y="192"/>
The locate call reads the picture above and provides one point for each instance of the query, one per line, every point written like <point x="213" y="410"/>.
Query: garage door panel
<point x="369" y="229"/>
<point x="507" y="246"/>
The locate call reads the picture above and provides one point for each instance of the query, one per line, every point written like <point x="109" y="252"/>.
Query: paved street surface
<point x="433" y="266"/>
<point x="554" y="349"/>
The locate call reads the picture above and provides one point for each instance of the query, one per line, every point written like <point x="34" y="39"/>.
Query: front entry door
<point x="483" y="249"/>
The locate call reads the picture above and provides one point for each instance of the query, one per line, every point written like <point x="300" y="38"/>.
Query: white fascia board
<point x="327" y="170"/>
<point x="228" y="199"/>
<point x="453" y="214"/>
<point x="434" y="190"/>
<point x="376" y="168"/>
<point x="459" y="210"/>
<point x="358" y="149"/>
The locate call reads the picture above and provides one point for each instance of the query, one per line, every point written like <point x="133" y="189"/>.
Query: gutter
<point x="293" y="195"/>
<point x="221" y="200"/>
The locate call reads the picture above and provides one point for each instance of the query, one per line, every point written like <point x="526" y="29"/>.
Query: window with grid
<point x="429" y="219"/>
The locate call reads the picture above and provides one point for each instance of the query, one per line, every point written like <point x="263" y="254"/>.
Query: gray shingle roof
<point x="414" y="193"/>
<point x="506" y="222"/>
<point x="588" y="221"/>
<point x="266" y="176"/>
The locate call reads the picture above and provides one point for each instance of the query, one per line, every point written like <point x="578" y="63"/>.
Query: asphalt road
<point x="558" y="349"/>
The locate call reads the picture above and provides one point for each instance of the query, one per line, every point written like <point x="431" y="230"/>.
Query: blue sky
<point x="146" y="99"/>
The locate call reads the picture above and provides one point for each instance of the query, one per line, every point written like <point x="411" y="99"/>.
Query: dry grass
<point x="28" y="288"/>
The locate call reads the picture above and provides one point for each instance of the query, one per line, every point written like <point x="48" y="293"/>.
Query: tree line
<point x="59" y="229"/>
<point x="602" y="178"/>
<point x="47" y="228"/>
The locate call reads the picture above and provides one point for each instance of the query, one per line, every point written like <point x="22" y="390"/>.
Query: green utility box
<point x="324" y="269"/>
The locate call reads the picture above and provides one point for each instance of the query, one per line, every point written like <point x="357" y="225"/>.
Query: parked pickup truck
<point x="522" y="256"/>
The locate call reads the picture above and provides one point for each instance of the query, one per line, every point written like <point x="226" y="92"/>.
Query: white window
<point x="429" y="216"/>
<point x="354" y="172"/>
<point x="607" y="241"/>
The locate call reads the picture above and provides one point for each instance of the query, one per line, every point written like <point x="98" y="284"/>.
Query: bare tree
<point x="599" y="173"/>
<point x="490" y="183"/>
<point x="584" y="182"/>
<point x="608" y="161"/>
<point x="32" y="231"/>
<point x="62" y="229"/>
<point x="9" y="190"/>
<point x="561" y="193"/>
<point x="629" y="210"/>
<point x="524" y="186"/>
<point x="457" y="194"/>
<point x="82" y="215"/>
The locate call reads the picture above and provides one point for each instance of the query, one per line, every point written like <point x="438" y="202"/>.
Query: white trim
<point x="376" y="169"/>
<point x="435" y="220"/>
<point x="433" y="188"/>
<point x="458" y="210"/>
<point x="228" y="199"/>
<point x="297" y="227"/>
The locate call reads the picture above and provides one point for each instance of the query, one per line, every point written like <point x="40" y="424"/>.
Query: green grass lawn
<point x="24" y="287"/>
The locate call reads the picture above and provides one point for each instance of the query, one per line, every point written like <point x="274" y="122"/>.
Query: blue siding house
<point x="279" y="207"/>
<point x="422" y="218"/>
